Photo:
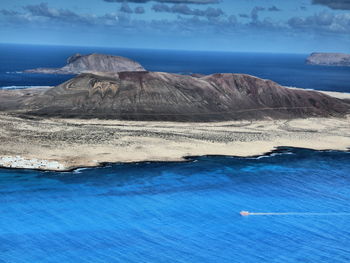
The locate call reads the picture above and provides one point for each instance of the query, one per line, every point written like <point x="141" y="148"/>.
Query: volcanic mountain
<point x="171" y="97"/>
<point x="92" y="63"/>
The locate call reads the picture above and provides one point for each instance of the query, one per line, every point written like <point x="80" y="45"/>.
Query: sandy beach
<point x="338" y="95"/>
<point x="64" y="144"/>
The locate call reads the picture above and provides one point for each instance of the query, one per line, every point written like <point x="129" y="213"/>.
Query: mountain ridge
<point x="92" y="63"/>
<point x="169" y="97"/>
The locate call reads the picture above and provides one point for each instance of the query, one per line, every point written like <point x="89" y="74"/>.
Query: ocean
<point x="181" y="212"/>
<point x="184" y="212"/>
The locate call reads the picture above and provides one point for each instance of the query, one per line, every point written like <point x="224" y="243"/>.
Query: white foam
<point x="80" y="170"/>
<point x="270" y="155"/>
<point x="14" y="72"/>
<point x="22" y="87"/>
<point x="291" y="87"/>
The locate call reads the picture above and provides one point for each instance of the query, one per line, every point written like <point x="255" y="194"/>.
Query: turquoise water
<point x="181" y="212"/>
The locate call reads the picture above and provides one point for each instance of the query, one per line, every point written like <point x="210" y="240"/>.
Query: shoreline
<point x="271" y="153"/>
<point x="69" y="144"/>
<point x="334" y="94"/>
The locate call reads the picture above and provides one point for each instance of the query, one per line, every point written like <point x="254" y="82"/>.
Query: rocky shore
<point x="20" y="162"/>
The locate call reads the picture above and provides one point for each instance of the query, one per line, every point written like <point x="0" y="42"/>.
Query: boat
<point x="244" y="213"/>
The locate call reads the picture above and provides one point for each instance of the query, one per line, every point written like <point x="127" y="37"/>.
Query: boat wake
<point x="246" y="213"/>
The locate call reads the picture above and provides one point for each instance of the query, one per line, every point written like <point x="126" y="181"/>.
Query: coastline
<point x="278" y="150"/>
<point x="338" y="95"/>
<point x="68" y="144"/>
<point x="335" y="94"/>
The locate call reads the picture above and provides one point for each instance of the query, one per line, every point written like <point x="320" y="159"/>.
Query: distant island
<point x="91" y="63"/>
<point x="132" y="116"/>
<point x="329" y="59"/>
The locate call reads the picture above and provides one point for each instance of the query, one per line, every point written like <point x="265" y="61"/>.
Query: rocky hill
<point x="329" y="59"/>
<point x="170" y="97"/>
<point x="92" y="63"/>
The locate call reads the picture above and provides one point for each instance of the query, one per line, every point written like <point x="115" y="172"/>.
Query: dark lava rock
<point x="171" y="97"/>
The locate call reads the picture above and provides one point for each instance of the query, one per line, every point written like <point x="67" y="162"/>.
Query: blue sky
<point x="289" y="26"/>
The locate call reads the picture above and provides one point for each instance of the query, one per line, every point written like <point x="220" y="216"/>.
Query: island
<point x="78" y="63"/>
<point x="133" y="116"/>
<point x="159" y="96"/>
<point x="329" y="59"/>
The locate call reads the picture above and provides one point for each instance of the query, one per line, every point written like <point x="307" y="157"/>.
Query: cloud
<point x="322" y="22"/>
<point x="161" y="8"/>
<point x="43" y="10"/>
<point x="8" y="12"/>
<point x="44" y="16"/>
<point x="274" y="9"/>
<point x="232" y="19"/>
<point x="202" y="20"/>
<point x="186" y="10"/>
<point x="125" y="8"/>
<point x="191" y="22"/>
<point x="200" y="2"/>
<point x="139" y="10"/>
<point x="255" y="12"/>
<point x="244" y="15"/>
<point x="334" y="4"/>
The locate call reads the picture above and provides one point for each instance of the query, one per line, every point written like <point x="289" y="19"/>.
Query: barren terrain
<point x="63" y="144"/>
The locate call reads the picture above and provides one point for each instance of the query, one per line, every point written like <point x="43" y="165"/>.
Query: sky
<point x="277" y="26"/>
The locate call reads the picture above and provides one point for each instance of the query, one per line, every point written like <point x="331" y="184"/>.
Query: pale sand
<point x="76" y="143"/>
<point x="338" y="95"/>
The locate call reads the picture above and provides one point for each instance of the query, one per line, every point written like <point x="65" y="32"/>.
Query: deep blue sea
<point x="180" y="212"/>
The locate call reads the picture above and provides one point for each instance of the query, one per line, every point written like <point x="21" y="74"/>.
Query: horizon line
<point x="162" y="49"/>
